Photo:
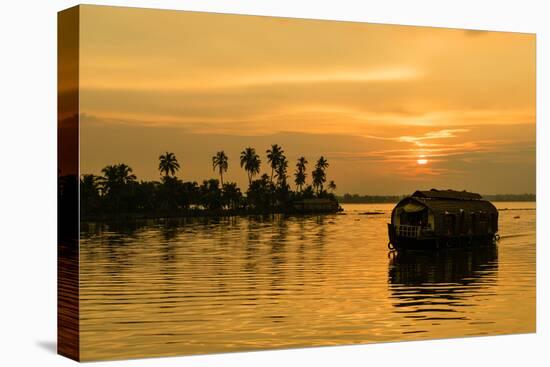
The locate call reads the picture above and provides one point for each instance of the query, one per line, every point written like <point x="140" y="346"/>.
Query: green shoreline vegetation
<point x="117" y="193"/>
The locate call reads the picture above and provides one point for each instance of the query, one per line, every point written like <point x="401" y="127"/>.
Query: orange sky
<point x="373" y="99"/>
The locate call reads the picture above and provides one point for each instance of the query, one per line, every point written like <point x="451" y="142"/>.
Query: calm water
<point x="215" y="285"/>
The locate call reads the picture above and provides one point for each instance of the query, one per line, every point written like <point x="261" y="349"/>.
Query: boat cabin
<point x="442" y="218"/>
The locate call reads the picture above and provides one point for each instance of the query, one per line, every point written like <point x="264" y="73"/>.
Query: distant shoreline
<point x="394" y="199"/>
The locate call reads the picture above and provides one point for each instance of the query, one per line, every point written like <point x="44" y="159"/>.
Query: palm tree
<point x="300" y="174"/>
<point x="88" y="183"/>
<point x="299" y="179"/>
<point x="220" y="161"/>
<point x="318" y="178"/>
<point x="319" y="175"/>
<point x="332" y="186"/>
<point x="168" y="164"/>
<point x="115" y="176"/>
<point x="251" y="163"/>
<point x="301" y="164"/>
<point x="273" y="157"/>
<point x="109" y="178"/>
<point x="322" y="163"/>
<point x="280" y="171"/>
<point x="115" y="183"/>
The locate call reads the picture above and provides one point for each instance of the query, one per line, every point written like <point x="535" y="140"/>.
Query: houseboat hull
<point x="425" y="242"/>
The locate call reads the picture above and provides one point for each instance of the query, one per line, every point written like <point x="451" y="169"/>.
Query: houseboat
<point x="442" y="218"/>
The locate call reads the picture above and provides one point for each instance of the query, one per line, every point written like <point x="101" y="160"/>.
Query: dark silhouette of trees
<point x="116" y="184"/>
<point x="300" y="174"/>
<point x="308" y="192"/>
<point x="115" y="177"/>
<point x="220" y="161"/>
<point x="146" y="196"/>
<point x="280" y="171"/>
<point x="322" y="163"/>
<point x="231" y="196"/>
<point x="251" y="163"/>
<point x="190" y="194"/>
<point x="273" y="157"/>
<point x="282" y="189"/>
<point x="89" y="193"/>
<point x="319" y="175"/>
<point x="332" y="186"/>
<point x="117" y="193"/>
<point x="211" y="194"/>
<point x="169" y="193"/>
<point x="260" y="194"/>
<point x="168" y="164"/>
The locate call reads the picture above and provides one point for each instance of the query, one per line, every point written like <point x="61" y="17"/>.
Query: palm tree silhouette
<point x="332" y="186"/>
<point x="168" y="164"/>
<point x="115" y="176"/>
<point x="300" y="174"/>
<point x="319" y="175"/>
<point x="280" y="171"/>
<point x="301" y="164"/>
<point x="89" y="183"/>
<point x="273" y="157"/>
<point x="317" y="179"/>
<point x="322" y="163"/>
<point x="220" y="161"/>
<point x="251" y="163"/>
<point x="126" y="173"/>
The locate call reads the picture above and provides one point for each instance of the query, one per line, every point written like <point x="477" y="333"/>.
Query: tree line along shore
<point x="118" y="193"/>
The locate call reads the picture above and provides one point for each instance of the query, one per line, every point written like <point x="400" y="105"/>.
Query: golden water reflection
<point x="169" y="287"/>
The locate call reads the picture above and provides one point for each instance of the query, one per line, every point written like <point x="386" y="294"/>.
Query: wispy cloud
<point x="249" y="79"/>
<point x="432" y="135"/>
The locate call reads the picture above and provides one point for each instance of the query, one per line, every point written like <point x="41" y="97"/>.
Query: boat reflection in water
<point x="441" y="288"/>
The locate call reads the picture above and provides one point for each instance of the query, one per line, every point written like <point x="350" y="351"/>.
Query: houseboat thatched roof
<point x="442" y="206"/>
<point x="442" y="202"/>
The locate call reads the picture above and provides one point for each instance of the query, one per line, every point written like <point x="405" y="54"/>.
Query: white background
<point x="28" y="182"/>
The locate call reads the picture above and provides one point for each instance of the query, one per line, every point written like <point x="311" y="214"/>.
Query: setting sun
<point x="422" y="161"/>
